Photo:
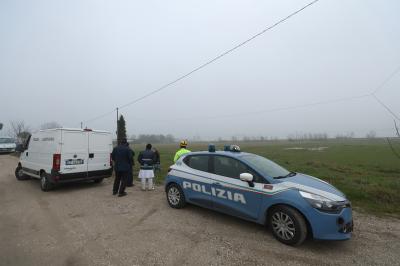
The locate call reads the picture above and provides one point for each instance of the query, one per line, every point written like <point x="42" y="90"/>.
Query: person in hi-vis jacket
<point x="182" y="150"/>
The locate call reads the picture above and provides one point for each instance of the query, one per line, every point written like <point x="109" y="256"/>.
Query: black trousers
<point x="129" y="179"/>
<point x="120" y="182"/>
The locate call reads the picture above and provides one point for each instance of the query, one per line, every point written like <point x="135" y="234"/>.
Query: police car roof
<point x="229" y="153"/>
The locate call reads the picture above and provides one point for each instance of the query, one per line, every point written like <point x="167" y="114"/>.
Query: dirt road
<point x="83" y="224"/>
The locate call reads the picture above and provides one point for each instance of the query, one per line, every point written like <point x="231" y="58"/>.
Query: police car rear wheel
<point x="175" y="197"/>
<point x="288" y="225"/>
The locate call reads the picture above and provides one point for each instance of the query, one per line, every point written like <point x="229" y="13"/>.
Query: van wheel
<point x="99" y="180"/>
<point x="175" y="197"/>
<point x="288" y="225"/>
<point x="19" y="173"/>
<point x="45" y="184"/>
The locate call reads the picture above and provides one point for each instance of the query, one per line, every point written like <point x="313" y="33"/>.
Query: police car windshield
<point x="265" y="166"/>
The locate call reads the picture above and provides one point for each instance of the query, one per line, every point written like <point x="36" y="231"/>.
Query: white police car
<point x="254" y="188"/>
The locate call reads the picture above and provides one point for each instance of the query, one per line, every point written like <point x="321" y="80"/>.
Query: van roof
<point x="71" y="129"/>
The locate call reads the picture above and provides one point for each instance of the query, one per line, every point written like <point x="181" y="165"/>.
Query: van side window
<point x="198" y="162"/>
<point x="28" y="140"/>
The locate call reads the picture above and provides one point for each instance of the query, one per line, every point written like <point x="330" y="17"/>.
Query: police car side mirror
<point x="246" y="177"/>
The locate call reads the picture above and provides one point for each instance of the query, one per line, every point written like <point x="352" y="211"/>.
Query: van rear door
<point x="100" y="146"/>
<point x="74" y="152"/>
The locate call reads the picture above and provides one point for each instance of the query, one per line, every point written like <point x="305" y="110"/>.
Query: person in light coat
<point x="146" y="160"/>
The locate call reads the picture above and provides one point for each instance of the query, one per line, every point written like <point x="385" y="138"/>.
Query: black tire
<point x="98" y="180"/>
<point x="19" y="174"/>
<point x="287" y="225"/>
<point x="45" y="184"/>
<point x="175" y="197"/>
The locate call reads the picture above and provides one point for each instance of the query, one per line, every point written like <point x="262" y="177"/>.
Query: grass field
<point x="365" y="170"/>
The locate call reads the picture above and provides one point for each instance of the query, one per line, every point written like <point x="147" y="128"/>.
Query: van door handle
<point x="91" y="155"/>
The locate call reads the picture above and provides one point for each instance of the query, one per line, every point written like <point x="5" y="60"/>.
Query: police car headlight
<point x="322" y="203"/>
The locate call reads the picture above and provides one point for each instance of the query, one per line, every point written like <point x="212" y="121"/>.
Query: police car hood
<point x="314" y="185"/>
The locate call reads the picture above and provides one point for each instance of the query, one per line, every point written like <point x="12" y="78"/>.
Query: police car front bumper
<point x="331" y="226"/>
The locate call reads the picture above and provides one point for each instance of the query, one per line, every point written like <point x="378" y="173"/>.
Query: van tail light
<point x="56" y="162"/>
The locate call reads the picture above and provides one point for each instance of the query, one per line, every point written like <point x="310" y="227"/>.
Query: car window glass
<point x="264" y="166"/>
<point x="6" y="140"/>
<point x="27" y="142"/>
<point x="199" y="162"/>
<point x="256" y="177"/>
<point x="229" y="167"/>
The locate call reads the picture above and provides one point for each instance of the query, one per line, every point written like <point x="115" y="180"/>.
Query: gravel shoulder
<point x="83" y="224"/>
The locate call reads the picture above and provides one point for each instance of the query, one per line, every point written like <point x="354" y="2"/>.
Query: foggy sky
<point x="70" y="61"/>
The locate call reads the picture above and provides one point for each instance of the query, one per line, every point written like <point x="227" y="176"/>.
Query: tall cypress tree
<point x="121" y="128"/>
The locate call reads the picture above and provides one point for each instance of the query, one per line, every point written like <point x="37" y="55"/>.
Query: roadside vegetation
<point x="366" y="170"/>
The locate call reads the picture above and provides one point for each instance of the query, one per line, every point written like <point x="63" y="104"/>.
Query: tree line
<point x="142" y="138"/>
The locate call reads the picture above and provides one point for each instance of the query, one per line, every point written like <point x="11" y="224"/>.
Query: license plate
<point x="74" y="161"/>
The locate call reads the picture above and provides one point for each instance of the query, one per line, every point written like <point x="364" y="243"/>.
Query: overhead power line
<point x="100" y="116"/>
<point x="219" y="56"/>
<point x="206" y="63"/>
<point x="272" y="110"/>
<point x="350" y="98"/>
<point x="394" y="73"/>
<point x="373" y="94"/>
<point x="386" y="107"/>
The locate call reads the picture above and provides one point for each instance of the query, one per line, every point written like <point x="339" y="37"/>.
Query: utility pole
<point x="117" y="129"/>
<point x="81" y="125"/>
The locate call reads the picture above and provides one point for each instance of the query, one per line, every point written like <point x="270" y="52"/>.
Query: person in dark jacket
<point x="157" y="164"/>
<point x="146" y="159"/>
<point x="157" y="161"/>
<point x="122" y="157"/>
<point x="129" y="182"/>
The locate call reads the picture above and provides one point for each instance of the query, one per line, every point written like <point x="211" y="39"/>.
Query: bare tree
<point x="19" y="130"/>
<point x="49" y="125"/>
<point x="390" y="143"/>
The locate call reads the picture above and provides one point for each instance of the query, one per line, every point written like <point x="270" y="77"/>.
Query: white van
<point x="64" y="155"/>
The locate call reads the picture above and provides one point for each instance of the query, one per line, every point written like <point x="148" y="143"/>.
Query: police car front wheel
<point x="175" y="196"/>
<point x="288" y="225"/>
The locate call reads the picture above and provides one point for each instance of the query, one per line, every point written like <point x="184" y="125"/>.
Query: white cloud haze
<point x="69" y="61"/>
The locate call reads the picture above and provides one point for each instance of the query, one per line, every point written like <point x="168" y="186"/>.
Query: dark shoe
<point x="122" y="194"/>
<point x="114" y="193"/>
<point x="130" y="185"/>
